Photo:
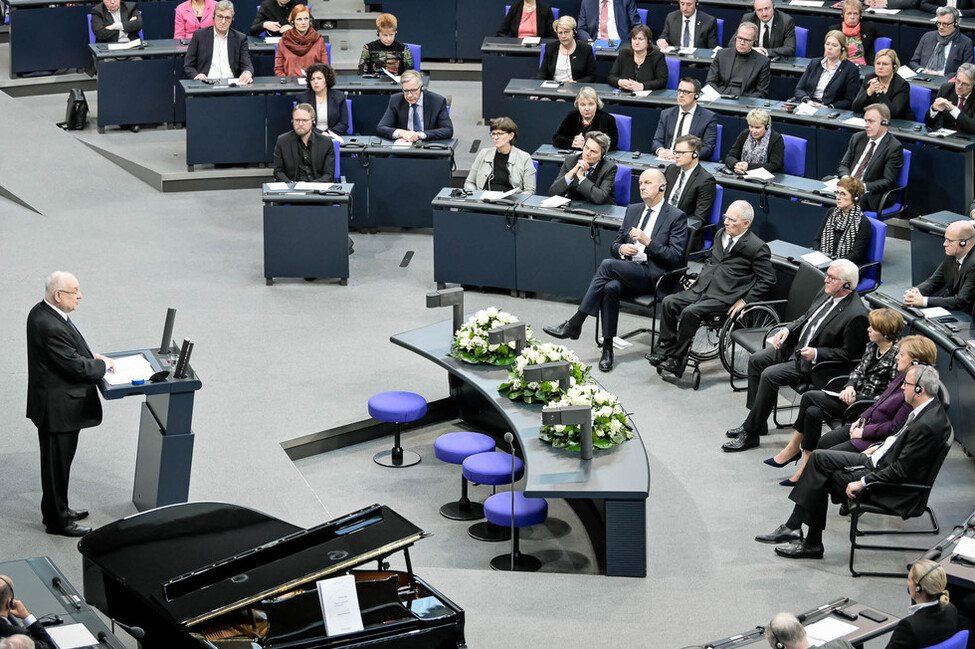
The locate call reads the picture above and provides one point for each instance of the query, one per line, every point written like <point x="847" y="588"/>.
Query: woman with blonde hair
<point x="933" y="618"/>
<point x="588" y="116"/>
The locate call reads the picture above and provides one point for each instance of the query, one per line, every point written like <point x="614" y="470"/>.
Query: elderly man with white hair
<point x="834" y="328"/>
<point x="785" y="631"/>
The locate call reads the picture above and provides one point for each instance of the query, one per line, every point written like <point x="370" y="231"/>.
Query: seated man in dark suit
<point x="776" y="30"/>
<point x="686" y="118"/>
<point x="738" y="270"/>
<point x="785" y="631"/>
<point x="113" y="21"/>
<point x="622" y="16"/>
<point x="954" y="106"/>
<point x="415" y="114"/>
<point x="588" y="176"/>
<point x="221" y="52"/>
<point x="904" y="457"/>
<point x="650" y="242"/>
<point x="690" y="188"/>
<point x="304" y="154"/>
<point x="834" y="328"/>
<point x="688" y="27"/>
<point x="741" y="70"/>
<point x="15" y="620"/>
<point x="952" y="285"/>
<point x="941" y="52"/>
<point x="874" y="156"/>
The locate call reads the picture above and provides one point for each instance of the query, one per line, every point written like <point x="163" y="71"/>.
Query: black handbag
<point x="76" y="114"/>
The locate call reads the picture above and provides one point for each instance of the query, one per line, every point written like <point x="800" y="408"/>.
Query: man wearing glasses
<point x="221" y="52"/>
<point x="741" y="70"/>
<point x="941" y="52"/>
<point x="303" y="154"/>
<point x="954" y="107"/>
<point x="952" y="285"/>
<point x="686" y="118"/>
<point x="834" y="328"/>
<point x="690" y="188"/>
<point x="415" y="114"/>
<point x="61" y="396"/>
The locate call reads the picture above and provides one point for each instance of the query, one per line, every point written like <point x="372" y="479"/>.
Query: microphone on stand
<point x="510" y="438"/>
<point x="136" y="632"/>
<point x="73" y="599"/>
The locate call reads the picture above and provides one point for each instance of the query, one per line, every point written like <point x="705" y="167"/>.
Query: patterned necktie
<point x="680" y="129"/>
<point x="686" y="42"/>
<point x="676" y="193"/>
<point x="417" y="126"/>
<point x="731" y="244"/>
<point x="604" y="20"/>
<point x="813" y="323"/>
<point x="866" y="159"/>
<point x="961" y="103"/>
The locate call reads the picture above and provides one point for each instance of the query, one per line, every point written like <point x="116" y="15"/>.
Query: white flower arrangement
<point x="543" y="391"/>
<point x="610" y="426"/>
<point x="470" y="342"/>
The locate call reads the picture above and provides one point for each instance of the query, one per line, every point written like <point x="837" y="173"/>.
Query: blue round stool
<point x="455" y="448"/>
<point x="397" y="408"/>
<point x="525" y="513"/>
<point x="492" y="468"/>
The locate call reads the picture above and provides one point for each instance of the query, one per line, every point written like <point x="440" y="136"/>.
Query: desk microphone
<point x="136" y="632"/>
<point x="56" y="582"/>
<point x="510" y="438"/>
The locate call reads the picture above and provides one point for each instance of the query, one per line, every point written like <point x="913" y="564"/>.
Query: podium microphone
<point x="56" y="582"/>
<point x="510" y="438"/>
<point x="136" y="632"/>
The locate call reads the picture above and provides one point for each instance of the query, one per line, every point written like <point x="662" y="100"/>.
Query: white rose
<point x="482" y="318"/>
<point x="615" y="425"/>
<point x="606" y="411"/>
<point x="493" y="348"/>
<point x="559" y="428"/>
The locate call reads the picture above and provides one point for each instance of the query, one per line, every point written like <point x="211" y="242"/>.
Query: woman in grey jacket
<point x="505" y="166"/>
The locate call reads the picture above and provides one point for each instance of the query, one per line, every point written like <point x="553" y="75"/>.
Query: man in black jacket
<point x="113" y="21"/>
<point x="219" y="52"/>
<point x="904" y="457"/>
<point x="776" y="30"/>
<point x="15" y="620"/>
<point x="304" y="154"/>
<point x="741" y="70"/>
<point x="689" y="27"/>
<point x="952" y="285"/>
<point x="954" y="107"/>
<point x="834" y="328"/>
<point x="588" y="176"/>
<point x="690" y="187"/>
<point x="874" y="156"/>
<point x="61" y="395"/>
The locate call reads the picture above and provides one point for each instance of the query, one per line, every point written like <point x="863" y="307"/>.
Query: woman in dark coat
<point x="885" y="86"/>
<point x="757" y="146"/>
<point x="846" y="231"/>
<point x="640" y="66"/>
<point x="590" y="116"/>
<point x="567" y="59"/>
<point x="842" y="86"/>
<point x="528" y="18"/>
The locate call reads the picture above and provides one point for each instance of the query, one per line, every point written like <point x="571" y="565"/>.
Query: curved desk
<point x="608" y="493"/>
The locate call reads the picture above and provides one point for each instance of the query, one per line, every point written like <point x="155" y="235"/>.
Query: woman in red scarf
<point x="299" y="47"/>
<point x="860" y="35"/>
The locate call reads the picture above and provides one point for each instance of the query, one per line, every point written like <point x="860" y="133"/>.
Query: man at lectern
<point x="61" y="396"/>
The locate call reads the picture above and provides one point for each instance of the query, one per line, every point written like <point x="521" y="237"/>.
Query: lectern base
<point x="404" y="458"/>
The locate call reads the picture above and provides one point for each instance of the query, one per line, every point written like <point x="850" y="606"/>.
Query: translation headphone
<point x="884" y="122"/>
<point x="694" y="155"/>
<point x="663" y="187"/>
<point x="11" y="587"/>
<point x="963" y="242"/>
<point x="917" y="584"/>
<point x="778" y="643"/>
<point x="917" y="390"/>
<point x="846" y="286"/>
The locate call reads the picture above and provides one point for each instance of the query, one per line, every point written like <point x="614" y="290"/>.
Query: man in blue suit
<point x="941" y="52"/>
<point x="415" y="114"/>
<point x="621" y="17"/>
<point x="650" y="242"/>
<point x="221" y="52"/>
<point x="692" y="120"/>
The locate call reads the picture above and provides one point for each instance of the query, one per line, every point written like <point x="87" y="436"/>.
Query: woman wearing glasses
<point x="505" y="166"/>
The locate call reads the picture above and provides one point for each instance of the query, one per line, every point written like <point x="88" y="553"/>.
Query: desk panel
<point x="927" y="243"/>
<point x="554" y="258"/>
<point x="393" y="176"/>
<point x="490" y="263"/>
<point x="241" y="115"/>
<point x="136" y="92"/>
<point x="65" y="41"/>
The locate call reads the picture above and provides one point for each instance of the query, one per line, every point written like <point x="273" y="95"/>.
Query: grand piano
<point x="221" y="576"/>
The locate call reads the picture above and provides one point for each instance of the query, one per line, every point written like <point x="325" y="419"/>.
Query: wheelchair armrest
<point x="671" y="276"/>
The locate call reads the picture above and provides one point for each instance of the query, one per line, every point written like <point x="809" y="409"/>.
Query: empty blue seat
<point x="513" y="509"/>
<point x="802" y="37"/>
<point x="415" y="52"/>
<point x="493" y="468"/>
<point x="397" y="408"/>
<point x="870" y="269"/>
<point x="920" y="102"/>
<point x="795" y="155"/>
<point x="720" y="30"/>
<point x="623" y="175"/>
<point x="624" y="124"/>
<point x="454" y="448"/>
<point x="716" y="154"/>
<point x="673" y="73"/>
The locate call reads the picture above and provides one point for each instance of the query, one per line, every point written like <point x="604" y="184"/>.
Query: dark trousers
<point x="827" y="472"/>
<point x="814" y="407"/>
<point x="837" y="439"/>
<point x="613" y="278"/>
<point x="57" y="453"/>
<point x="682" y="315"/>
<point x="768" y="370"/>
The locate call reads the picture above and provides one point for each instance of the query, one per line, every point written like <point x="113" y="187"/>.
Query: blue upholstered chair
<point x="714" y="221"/>
<point x="493" y="468"/>
<point x="624" y="124"/>
<point x="397" y="408"/>
<point x="920" y="102"/>
<point x="348" y="105"/>
<point x="623" y="175"/>
<point x="454" y="448"/>
<point x="870" y="269"/>
<point x="513" y="509"/>
<point x="795" y="155"/>
<point x="415" y="52"/>
<point x="644" y="14"/>
<point x="716" y="154"/>
<point x="673" y="73"/>
<point x="802" y="37"/>
<point x="882" y="43"/>
<point x="328" y="52"/>
<point x="720" y="30"/>
<point x="899" y="205"/>
<point x="957" y="641"/>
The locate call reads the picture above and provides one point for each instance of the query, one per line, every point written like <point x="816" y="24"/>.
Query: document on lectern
<point x="72" y="636"/>
<point x="128" y="369"/>
<point x="829" y="628"/>
<point x="340" y="605"/>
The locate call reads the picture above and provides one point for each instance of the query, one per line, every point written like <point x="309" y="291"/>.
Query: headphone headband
<point x="917" y="584"/>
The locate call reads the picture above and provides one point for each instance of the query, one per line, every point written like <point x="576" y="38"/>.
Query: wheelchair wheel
<point x="756" y="317"/>
<point x="705" y="345"/>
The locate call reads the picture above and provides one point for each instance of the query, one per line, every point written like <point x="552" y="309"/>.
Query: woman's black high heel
<point x="795" y="458"/>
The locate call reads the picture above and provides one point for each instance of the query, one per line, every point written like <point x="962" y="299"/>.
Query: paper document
<point x="708" y="93"/>
<point x="278" y="187"/>
<point x="935" y="312"/>
<point x="641" y="255"/>
<point x="816" y="258"/>
<point x="549" y="84"/>
<point x="806" y="109"/>
<point x="906" y="73"/>
<point x="965" y="548"/>
<point x="831" y="185"/>
<point x="670" y="49"/>
<point x="806" y="3"/>
<point x="687" y="50"/>
<point x="555" y="201"/>
<point x="855" y="121"/>
<point x="641" y="93"/>
<point x="618" y="343"/>
<point x="829" y="628"/>
<point x="394" y="77"/>
<point x="531" y="40"/>
<point x="128" y="369"/>
<point x="340" y="605"/>
<point x="313" y="187"/>
<point x="943" y="132"/>
<point x="272" y="40"/>
<point x="759" y="173"/>
<point x="494" y="196"/>
<point x="335" y="137"/>
<point x="883" y="11"/>
<point x="125" y="46"/>
<point x="72" y="636"/>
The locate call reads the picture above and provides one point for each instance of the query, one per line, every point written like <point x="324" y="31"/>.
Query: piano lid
<point x="196" y="561"/>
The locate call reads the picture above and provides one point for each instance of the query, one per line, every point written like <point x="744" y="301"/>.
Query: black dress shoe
<point x="741" y="443"/>
<point x="780" y="534"/>
<point x="655" y="359"/>
<point x="800" y="550"/>
<point x="606" y="361"/>
<point x="673" y="366"/>
<point x="76" y="514"/>
<point x="564" y="330"/>
<point x="734" y="432"/>
<point x="788" y="483"/>
<point x="72" y="529"/>
<point x="844" y="510"/>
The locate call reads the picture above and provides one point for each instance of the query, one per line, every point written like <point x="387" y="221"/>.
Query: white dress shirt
<point x="220" y="64"/>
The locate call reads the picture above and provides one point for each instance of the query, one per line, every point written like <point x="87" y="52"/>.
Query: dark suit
<point x="960" y="52"/>
<point x="36" y="631"/>
<point x="782" y="35"/>
<point x="338" y="110"/>
<point x="101" y="20"/>
<point x="582" y="62"/>
<point x="745" y="273"/>
<point x="61" y="400"/>
<point x="704" y="125"/>
<point x="617" y="275"/>
<point x="943" y="118"/>
<point x="436" y="119"/>
<point x="705" y="30"/>
<point x="774" y="156"/>
<point x="598" y="187"/>
<point x="572" y="126"/>
<point x="868" y="34"/>
<point x="199" y="53"/>
<point x="897" y="98"/>
<point x="948" y="288"/>
<point x="627" y="17"/>
<point x="965" y="7"/>
<point x="841" y="336"/>
<point x="751" y="79"/>
<point x="543" y="20"/>
<point x="925" y="627"/>
<point x="697" y="193"/>
<point x="839" y="92"/>
<point x="880" y="173"/>
<point x="287" y="154"/>
<point x="908" y="460"/>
